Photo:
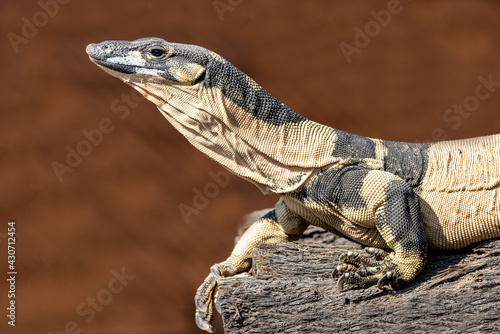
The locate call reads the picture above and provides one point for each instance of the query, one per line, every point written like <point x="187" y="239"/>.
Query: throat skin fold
<point x="276" y="158"/>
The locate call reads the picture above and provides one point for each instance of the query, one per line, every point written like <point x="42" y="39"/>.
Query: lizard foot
<point x="358" y="270"/>
<point x="206" y="299"/>
<point x="204" y="303"/>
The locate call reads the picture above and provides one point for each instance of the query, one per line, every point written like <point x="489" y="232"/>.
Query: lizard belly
<point x="460" y="200"/>
<point x="457" y="219"/>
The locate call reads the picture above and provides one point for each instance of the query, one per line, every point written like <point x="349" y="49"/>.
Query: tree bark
<point x="291" y="290"/>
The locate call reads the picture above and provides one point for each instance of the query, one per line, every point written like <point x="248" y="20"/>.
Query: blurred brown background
<point x="118" y="210"/>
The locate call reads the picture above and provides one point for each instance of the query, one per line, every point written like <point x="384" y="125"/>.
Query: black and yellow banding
<point x="401" y="197"/>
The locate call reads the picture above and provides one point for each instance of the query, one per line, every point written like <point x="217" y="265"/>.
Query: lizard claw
<point x="340" y="282"/>
<point x="381" y="282"/>
<point x="203" y="324"/>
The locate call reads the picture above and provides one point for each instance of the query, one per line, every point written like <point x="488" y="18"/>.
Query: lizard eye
<point x="157" y="52"/>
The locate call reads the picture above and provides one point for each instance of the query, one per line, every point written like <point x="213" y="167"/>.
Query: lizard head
<point x="150" y="60"/>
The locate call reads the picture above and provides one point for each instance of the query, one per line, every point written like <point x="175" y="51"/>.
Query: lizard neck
<point x="238" y="124"/>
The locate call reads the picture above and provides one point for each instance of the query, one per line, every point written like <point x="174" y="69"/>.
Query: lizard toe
<point x="216" y="271"/>
<point x="200" y="304"/>
<point x="216" y="302"/>
<point x="354" y="279"/>
<point x="340" y="283"/>
<point x="348" y="278"/>
<point x="377" y="253"/>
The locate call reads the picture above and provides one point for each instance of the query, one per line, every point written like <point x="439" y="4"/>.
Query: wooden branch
<point x="290" y="290"/>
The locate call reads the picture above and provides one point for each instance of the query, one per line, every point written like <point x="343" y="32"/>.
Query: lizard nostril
<point x="99" y="50"/>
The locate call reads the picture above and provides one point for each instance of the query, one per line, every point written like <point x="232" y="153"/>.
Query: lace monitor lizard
<point x="401" y="197"/>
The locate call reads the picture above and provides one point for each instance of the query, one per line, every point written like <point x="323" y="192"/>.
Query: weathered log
<point x="291" y="290"/>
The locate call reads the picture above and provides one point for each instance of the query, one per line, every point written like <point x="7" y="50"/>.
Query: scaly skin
<point x="402" y="197"/>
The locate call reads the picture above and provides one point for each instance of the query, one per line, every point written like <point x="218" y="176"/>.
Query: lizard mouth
<point x="125" y="69"/>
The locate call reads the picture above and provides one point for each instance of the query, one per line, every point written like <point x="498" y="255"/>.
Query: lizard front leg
<point x="395" y="209"/>
<point x="266" y="229"/>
